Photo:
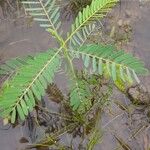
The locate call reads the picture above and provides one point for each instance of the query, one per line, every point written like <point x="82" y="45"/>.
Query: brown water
<point x="17" y="38"/>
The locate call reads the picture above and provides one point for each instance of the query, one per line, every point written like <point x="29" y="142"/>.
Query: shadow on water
<point x="21" y="37"/>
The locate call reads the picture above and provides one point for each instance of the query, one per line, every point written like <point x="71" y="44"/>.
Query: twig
<point x="12" y="43"/>
<point x="54" y="113"/>
<point x="10" y="5"/>
<point x="109" y="122"/>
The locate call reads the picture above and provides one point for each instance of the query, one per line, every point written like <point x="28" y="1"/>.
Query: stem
<point x="66" y="54"/>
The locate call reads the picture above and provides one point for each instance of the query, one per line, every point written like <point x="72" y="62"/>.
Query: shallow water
<point x="17" y="39"/>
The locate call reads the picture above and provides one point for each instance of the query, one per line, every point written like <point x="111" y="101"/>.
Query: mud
<point x="21" y="36"/>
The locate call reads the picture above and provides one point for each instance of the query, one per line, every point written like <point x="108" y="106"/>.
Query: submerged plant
<point x="30" y="76"/>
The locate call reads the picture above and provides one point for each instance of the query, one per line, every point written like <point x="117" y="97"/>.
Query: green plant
<point x="30" y="76"/>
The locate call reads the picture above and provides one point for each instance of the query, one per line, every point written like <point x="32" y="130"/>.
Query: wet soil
<point x="21" y="37"/>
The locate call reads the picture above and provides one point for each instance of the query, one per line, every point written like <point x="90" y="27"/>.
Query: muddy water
<point x="19" y="38"/>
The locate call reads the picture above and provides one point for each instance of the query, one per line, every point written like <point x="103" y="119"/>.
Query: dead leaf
<point x="5" y="121"/>
<point x="24" y="140"/>
<point x="123" y="144"/>
<point x="146" y="142"/>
